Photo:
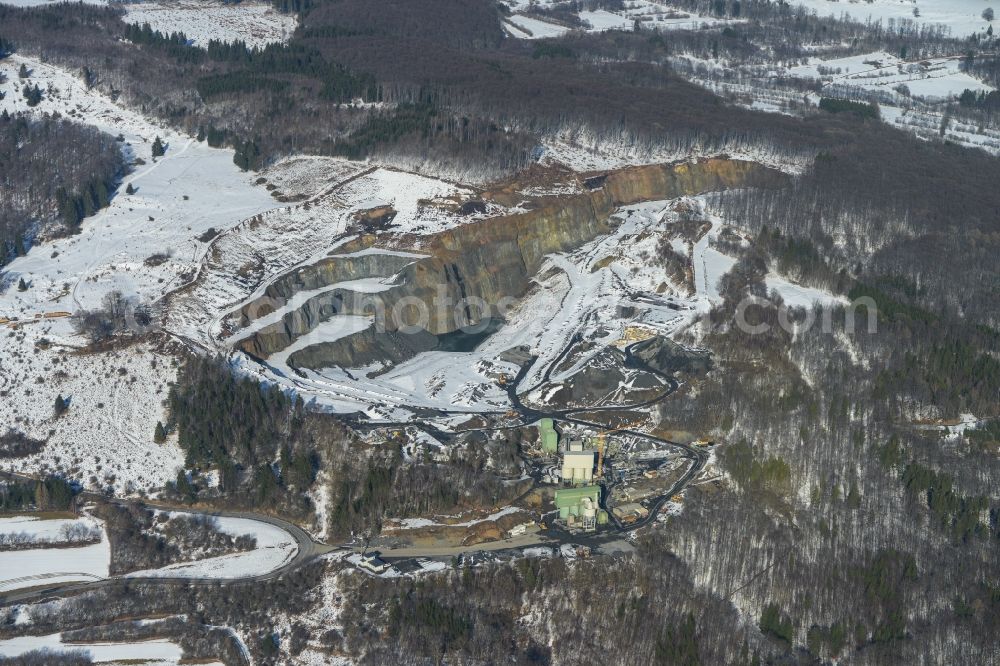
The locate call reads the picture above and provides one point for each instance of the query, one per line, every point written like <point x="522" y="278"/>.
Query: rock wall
<point x="485" y="261"/>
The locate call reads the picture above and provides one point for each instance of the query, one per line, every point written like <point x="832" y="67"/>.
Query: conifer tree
<point x="61" y="405"/>
<point x="158" y="148"/>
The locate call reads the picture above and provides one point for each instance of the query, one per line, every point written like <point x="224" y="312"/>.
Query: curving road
<point x="306" y="550"/>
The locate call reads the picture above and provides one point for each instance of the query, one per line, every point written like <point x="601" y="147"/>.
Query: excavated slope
<point x="489" y="260"/>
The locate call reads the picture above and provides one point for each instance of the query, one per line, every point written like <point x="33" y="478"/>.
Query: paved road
<point x="522" y="541"/>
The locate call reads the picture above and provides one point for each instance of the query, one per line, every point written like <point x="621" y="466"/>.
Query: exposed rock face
<point x="323" y="274"/>
<point x="365" y="348"/>
<point x="485" y="262"/>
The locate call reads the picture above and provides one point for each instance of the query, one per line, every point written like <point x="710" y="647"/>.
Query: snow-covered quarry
<point x="199" y="241"/>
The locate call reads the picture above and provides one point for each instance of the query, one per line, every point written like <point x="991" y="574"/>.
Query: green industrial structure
<point x="580" y="507"/>
<point x="548" y="436"/>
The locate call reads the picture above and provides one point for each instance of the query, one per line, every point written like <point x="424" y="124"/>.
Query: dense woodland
<point x="53" y="174"/>
<point x="382" y="485"/>
<point x="48" y="494"/>
<point x="269" y="452"/>
<point x="265" y="447"/>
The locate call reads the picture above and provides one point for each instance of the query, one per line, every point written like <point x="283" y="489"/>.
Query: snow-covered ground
<point x="582" y="150"/>
<point x="157" y="652"/>
<point x="650" y="15"/>
<point x="105" y="438"/>
<point x="54" y="531"/>
<point x="179" y="197"/>
<point x="275" y="548"/>
<point x="256" y="23"/>
<point x="526" y="27"/>
<point x="962" y="17"/>
<point x="39" y="3"/>
<point x="27" y="568"/>
<point x="932" y="78"/>
<point x="913" y="95"/>
<point x="115" y="398"/>
<point x="417" y="523"/>
<point x="799" y="296"/>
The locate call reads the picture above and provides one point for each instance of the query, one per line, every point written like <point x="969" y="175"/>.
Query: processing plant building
<point x="578" y="463"/>
<point x="580" y="507"/>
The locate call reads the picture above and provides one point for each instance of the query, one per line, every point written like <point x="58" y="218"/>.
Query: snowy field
<point x="30" y="529"/>
<point x="526" y="27"/>
<point x="31" y="567"/>
<point x="105" y="438"/>
<point x="650" y="15"/>
<point x="179" y="197"/>
<point x="40" y="3"/>
<point x="799" y="296"/>
<point x="158" y="652"/>
<point x="933" y="79"/>
<point x="27" y="568"/>
<point x="913" y="95"/>
<point x="962" y="17"/>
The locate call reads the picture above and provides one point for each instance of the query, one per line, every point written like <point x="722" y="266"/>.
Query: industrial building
<point x="630" y="512"/>
<point x="578" y="467"/>
<point x="548" y="437"/>
<point x="580" y="507"/>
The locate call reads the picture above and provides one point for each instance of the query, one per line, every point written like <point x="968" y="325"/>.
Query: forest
<point x="49" y="494"/>
<point x="264" y="445"/>
<point x="53" y="173"/>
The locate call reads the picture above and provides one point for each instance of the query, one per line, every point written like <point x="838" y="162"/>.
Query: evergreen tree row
<point x="50" y="494"/>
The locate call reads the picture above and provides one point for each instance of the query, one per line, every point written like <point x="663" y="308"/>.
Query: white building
<point x="578" y="466"/>
<point x="372" y="562"/>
